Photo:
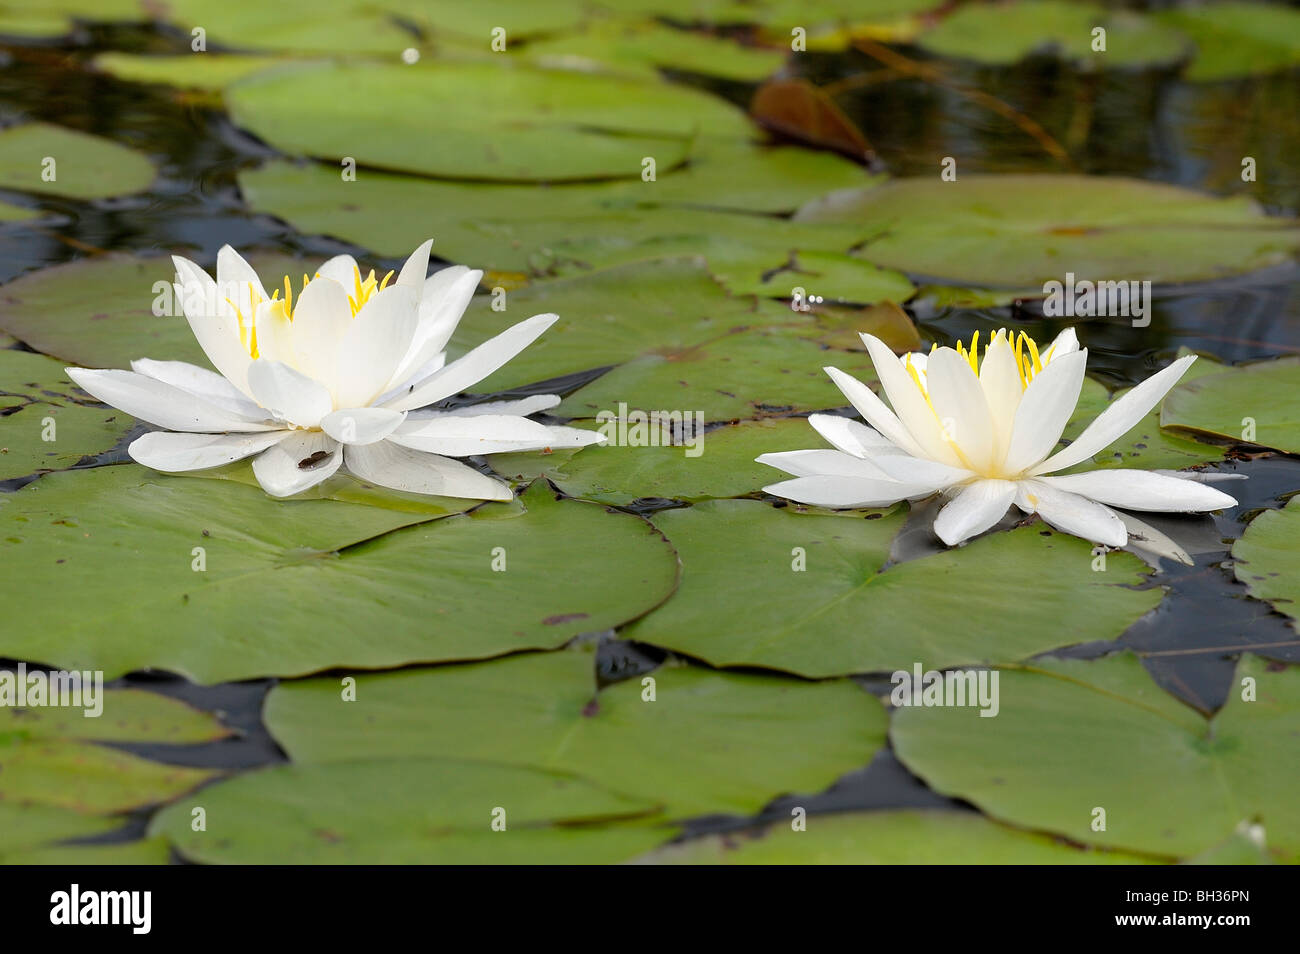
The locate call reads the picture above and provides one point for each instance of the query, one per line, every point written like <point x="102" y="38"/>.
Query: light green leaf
<point x="1254" y="404"/>
<point x="1235" y="39"/>
<point x="284" y="581"/>
<point x="1022" y="230"/>
<point x="1075" y="736"/>
<point x="899" y="837"/>
<point x="480" y="120"/>
<point x="842" y="614"/>
<point x="84" y="166"/>
<point x="690" y="740"/>
<point x="1266" y="560"/>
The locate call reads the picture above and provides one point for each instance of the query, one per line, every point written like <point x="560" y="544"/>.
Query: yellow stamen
<point x="288" y="298"/>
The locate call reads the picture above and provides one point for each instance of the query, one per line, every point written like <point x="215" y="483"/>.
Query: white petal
<point x="342" y="269"/>
<point x="909" y="402"/>
<point x="160" y="404"/>
<point x="321" y="319"/>
<point x="1143" y="490"/>
<point x="280" y="472"/>
<point x="852" y="437"/>
<point x="361" y="425"/>
<point x="927" y="475"/>
<point x="173" y="453"/>
<point x="461" y="436"/>
<point x="473" y="367"/>
<point x="213" y="322"/>
<point x="415" y="267"/>
<point x="1000" y="380"/>
<point x="1144" y="537"/>
<point x="376" y="343"/>
<point x="979" y="506"/>
<point x="958" y="400"/>
<point x="1071" y="513"/>
<point x="521" y="406"/>
<point x="274" y="333"/>
<point x="1067" y="342"/>
<point x="237" y="280"/>
<point x="400" y="468"/>
<point x="822" y="463"/>
<point x="562" y="436"/>
<point x="874" y="411"/>
<point x="1118" y="419"/>
<point x="443" y="300"/>
<point x="1044" y="411"/>
<point x="288" y="393"/>
<point x="840" y="491"/>
<point x="206" y="384"/>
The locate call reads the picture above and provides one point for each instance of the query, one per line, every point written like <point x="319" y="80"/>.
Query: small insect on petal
<point x="307" y="463"/>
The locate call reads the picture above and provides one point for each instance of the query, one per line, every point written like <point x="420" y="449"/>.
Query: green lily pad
<point x="127" y="715"/>
<point x="83" y="167"/>
<point x="571" y="227"/>
<point x="638" y="46"/>
<point x="1254" y="404"/>
<point x="740" y="375"/>
<point x="901" y="837"/>
<point x="34" y="23"/>
<point x="151" y="851"/>
<point x="843" y="614"/>
<point x="282" y="578"/>
<point x="1147" y="445"/>
<point x="17" y="213"/>
<point x="1236" y="39"/>
<point x="1074" y="736"/>
<point x="691" y="740"/>
<point x="205" y="71"/>
<point x="829" y="276"/>
<point x="408" y="811"/>
<point x="480" y="120"/>
<point x="1266" y="561"/>
<point x="1020" y="230"/>
<point x="37" y="401"/>
<point x="99" y="312"/>
<point x="1000" y="33"/>
<point x="621" y="473"/>
<point x="297" y="26"/>
<point x="610" y="317"/>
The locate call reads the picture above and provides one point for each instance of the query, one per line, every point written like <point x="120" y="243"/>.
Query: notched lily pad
<point x="809" y="595"/>
<point x="1267" y="561"/>
<point x="1253" y="404"/>
<point x="687" y="739"/>
<point x="53" y="160"/>
<point x="1076" y="738"/>
<point x="129" y="541"/>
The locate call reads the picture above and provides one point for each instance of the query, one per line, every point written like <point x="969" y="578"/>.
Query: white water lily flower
<point x="331" y="377"/>
<point x="984" y="432"/>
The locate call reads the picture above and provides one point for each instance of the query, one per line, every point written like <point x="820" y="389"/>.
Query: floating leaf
<point x="1002" y="33"/>
<point x="638" y="46"/>
<point x="612" y="316"/>
<point x="899" y="837"/>
<point x="842" y="614"/>
<point x="46" y="422"/>
<point x="1266" y="560"/>
<point x="1254" y="404"/>
<point x="1075" y="736"/>
<point x="1020" y="230"/>
<point x="574" y="226"/>
<point x="740" y="375"/>
<point x="84" y="166"/>
<point x="825" y="276"/>
<point x="722" y="465"/>
<point x="480" y="120"/>
<point x="99" y="312"/>
<point x="214" y="71"/>
<point x="688" y="739"/>
<point x="1236" y="39"/>
<point x="408" y="811"/>
<point x="296" y="26"/>
<point x="17" y="213"/>
<point x="151" y="851"/>
<point x="282" y="579"/>
<point x="796" y="109"/>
